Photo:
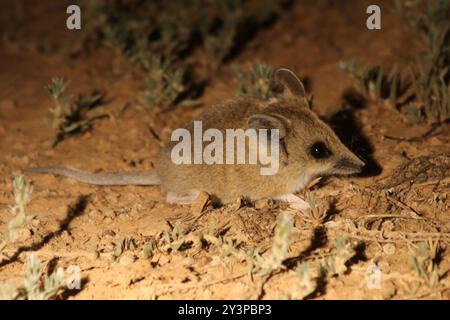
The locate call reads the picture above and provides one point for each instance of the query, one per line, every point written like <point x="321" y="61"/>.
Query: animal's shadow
<point x="349" y="131"/>
<point x="72" y="212"/>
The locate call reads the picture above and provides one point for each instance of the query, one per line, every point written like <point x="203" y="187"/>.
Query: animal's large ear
<point x="269" y="121"/>
<point x="291" y="82"/>
<point x="272" y="121"/>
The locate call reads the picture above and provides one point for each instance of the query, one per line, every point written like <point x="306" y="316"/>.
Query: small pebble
<point x="108" y="233"/>
<point x="389" y="248"/>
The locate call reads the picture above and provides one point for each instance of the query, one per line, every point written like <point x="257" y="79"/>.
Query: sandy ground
<point x="383" y="213"/>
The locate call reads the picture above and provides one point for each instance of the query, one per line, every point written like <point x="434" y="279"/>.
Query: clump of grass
<point x="218" y="44"/>
<point x="148" y="35"/>
<point x="260" y="264"/>
<point x="425" y="84"/>
<point x="122" y="244"/>
<point x="376" y="82"/>
<point x="227" y="24"/>
<point x="124" y="26"/>
<point x="230" y="248"/>
<point x="56" y="89"/>
<point x="424" y="261"/>
<point x="174" y="27"/>
<point x="430" y="74"/>
<point x="180" y="34"/>
<point x="317" y="213"/>
<point x="174" y="36"/>
<point x="22" y="195"/>
<point x="149" y="249"/>
<point x="174" y="240"/>
<point x="164" y="85"/>
<point x="36" y="285"/>
<point x="255" y="82"/>
<point x="69" y="115"/>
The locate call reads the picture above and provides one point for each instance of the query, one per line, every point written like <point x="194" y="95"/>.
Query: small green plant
<point x="36" y="285"/>
<point x="255" y="82"/>
<point x="122" y="244"/>
<point x="257" y="263"/>
<point x="280" y="246"/>
<point x="70" y="116"/>
<point x="303" y="286"/>
<point x="281" y="241"/>
<point x="424" y="262"/>
<point x="336" y="263"/>
<point x="164" y="85"/>
<point x="56" y="89"/>
<point x="149" y="249"/>
<point x="22" y="195"/>
<point x="317" y="213"/>
<point x="174" y="239"/>
<point x="230" y="248"/>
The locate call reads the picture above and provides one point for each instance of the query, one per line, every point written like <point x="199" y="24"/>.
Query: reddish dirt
<point x="78" y="224"/>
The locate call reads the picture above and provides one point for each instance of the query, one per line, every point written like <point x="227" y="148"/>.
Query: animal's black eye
<point x="319" y="150"/>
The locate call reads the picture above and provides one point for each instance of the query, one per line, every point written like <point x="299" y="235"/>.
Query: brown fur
<point x="228" y="182"/>
<point x="300" y="129"/>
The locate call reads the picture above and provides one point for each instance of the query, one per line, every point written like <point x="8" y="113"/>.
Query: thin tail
<point x="146" y="178"/>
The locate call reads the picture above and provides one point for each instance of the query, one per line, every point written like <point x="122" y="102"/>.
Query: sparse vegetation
<point x="336" y="264"/>
<point x="122" y="244"/>
<point x="219" y="43"/>
<point x="230" y="25"/>
<point x="36" y="285"/>
<point x="175" y="238"/>
<point x="423" y="89"/>
<point x="370" y="237"/>
<point x="22" y="195"/>
<point x="424" y="261"/>
<point x="280" y="246"/>
<point x="377" y="83"/>
<point x="164" y="86"/>
<point x="178" y="239"/>
<point x="160" y="36"/>
<point x="136" y="28"/>
<point x="171" y="26"/>
<point x="304" y="284"/>
<point x="70" y="116"/>
<point x="430" y="74"/>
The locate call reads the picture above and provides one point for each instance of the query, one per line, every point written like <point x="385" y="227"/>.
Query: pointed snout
<point x="349" y="165"/>
<point x="359" y="163"/>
